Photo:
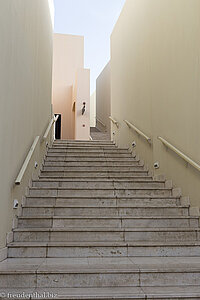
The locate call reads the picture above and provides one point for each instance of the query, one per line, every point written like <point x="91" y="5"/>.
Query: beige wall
<point x="82" y="94"/>
<point x="155" y="71"/>
<point x="68" y="57"/>
<point x="25" y="95"/>
<point x="103" y="99"/>
<point x="93" y="110"/>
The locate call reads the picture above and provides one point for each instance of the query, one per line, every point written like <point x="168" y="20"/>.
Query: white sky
<point x="94" y="19"/>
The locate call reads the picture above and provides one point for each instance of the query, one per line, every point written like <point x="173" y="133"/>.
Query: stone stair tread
<point x="82" y="141"/>
<point x="107" y="207"/>
<point x="107" y="197"/>
<point x="105" y="293"/>
<point x="105" y="229"/>
<point x="87" y="141"/>
<point x="82" y="146"/>
<point x="105" y="158"/>
<point x="101" y="264"/>
<point x="101" y="159"/>
<point x="97" y="171"/>
<point x="92" y="145"/>
<point x="93" y="188"/>
<point x="106" y="217"/>
<point x="174" y="205"/>
<point x="87" y="163"/>
<point x="80" y="293"/>
<point x="104" y="244"/>
<point x="99" y="180"/>
<point x="107" y="163"/>
<point x="138" y="166"/>
<point x="95" y="154"/>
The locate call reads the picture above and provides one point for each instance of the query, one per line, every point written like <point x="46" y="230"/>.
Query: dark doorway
<point x="58" y="128"/>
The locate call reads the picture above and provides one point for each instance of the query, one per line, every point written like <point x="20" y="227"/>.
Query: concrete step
<point x="98" y="184"/>
<point x="98" y="179"/>
<point x="102" y="158"/>
<point x="90" y="155"/>
<point x="95" y="173"/>
<point x="103" y="249"/>
<point x="96" y="142"/>
<point x="82" y="141"/>
<point x="106" y="293"/>
<point x="88" y="151"/>
<point x="86" y="146"/>
<point x="101" y="202"/>
<point x="92" y="163"/>
<point x="92" y="148"/>
<point x="95" y="168"/>
<point x="90" y="142"/>
<point x="87" y="192"/>
<point x="38" y="221"/>
<point x="100" y="272"/>
<point x="106" y="211"/>
<point x="105" y="234"/>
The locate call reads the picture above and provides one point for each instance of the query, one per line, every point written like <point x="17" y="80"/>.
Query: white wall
<point x="155" y="84"/>
<point x="103" y="99"/>
<point x="68" y="57"/>
<point x="93" y="110"/>
<point x="25" y="94"/>
<point x="82" y="122"/>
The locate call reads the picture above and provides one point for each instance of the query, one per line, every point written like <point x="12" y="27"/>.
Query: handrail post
<point x="114" y="122"/>
<point x="53" y="120"/>
<point x="181" y="154"/>
<point x="138" y="131"/>
<point x="30" y="153"/>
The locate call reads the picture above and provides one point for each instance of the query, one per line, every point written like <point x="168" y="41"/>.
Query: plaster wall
<point x="155" y="84"/>
<point x="82" y="121"/>
<point x="93" y="110"/>
<point x="25" y="97"/>
<point x="103" y="100"/>
<point x="68" y="57"/>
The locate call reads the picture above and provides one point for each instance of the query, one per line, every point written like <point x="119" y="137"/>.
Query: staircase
<point x="96" y="225"/>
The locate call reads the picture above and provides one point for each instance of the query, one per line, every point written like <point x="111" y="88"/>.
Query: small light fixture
<point x="134" y="144"/>
<point x="83" y="108"/>
<point x="156" y="165"/>
<point x="15" y="204"/>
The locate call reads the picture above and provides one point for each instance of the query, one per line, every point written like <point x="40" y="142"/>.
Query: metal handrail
<point x="138" y="131"/>
<point x="114" y="121"/>
<point x="53" y="120"/>
<point x="32" y="149"/>
<point x="100" y="122"/>
<point x="27" y="160"/>
<point x="181" y="154"/>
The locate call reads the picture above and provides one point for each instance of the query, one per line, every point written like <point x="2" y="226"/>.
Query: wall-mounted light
<point x="156" y="165"/>
<point x="134" y="144"/>
<point x="15" y="204"/>
<point x="83" y="108"/>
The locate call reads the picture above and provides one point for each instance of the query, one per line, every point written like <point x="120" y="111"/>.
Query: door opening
<point x="58" y="127"/>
